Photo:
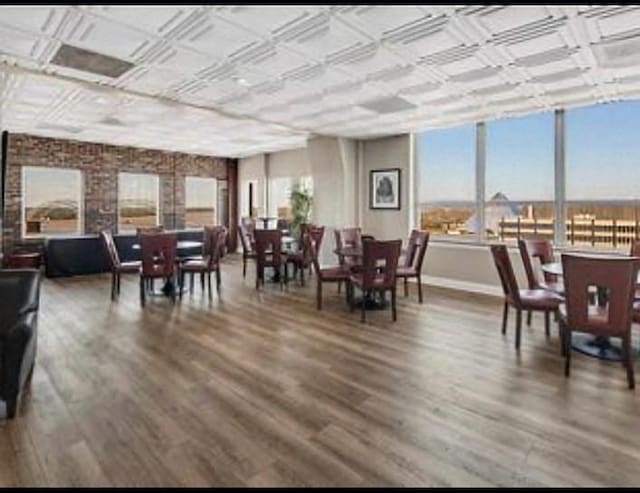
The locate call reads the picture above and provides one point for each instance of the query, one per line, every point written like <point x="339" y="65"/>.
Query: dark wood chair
<point x="117" y="267"/>
<point x="521" y="299"/>
<point x="303" y="259"/>
<point x="335" y="274"/>
<point x="214" y="238"/>
<point x="158" y="251"/>
<point x="412" y="268"/>
<point x="373" y="277"/>
<point x="617" y="277"/>
<point x="347" y="237"/>
<point x="634" y="251"/>
<point x="268" y="245"/>
<point x="246" y="234"/>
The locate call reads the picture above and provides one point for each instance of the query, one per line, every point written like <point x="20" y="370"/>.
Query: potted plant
<point x="300" y="202"/>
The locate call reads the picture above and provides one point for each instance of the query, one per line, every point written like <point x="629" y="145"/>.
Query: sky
<point x="602" y="156"/>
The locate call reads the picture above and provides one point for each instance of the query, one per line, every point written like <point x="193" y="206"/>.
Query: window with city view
<point x="280" y="192"/>
<point x="200" y="201"/>
<point x="52" y="201"/>
<point x="603" y="174"/>
<point x="519" y="178"/>
<point x="446" y="188"/>
<point x="138" y="203"/>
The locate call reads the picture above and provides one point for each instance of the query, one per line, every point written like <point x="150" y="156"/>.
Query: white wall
<point x="388" y="152"/>
<point x="252" y="168"/>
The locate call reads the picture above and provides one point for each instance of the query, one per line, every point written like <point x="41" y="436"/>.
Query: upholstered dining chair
<point x="412" y="268"/>
<point x="117" y="267"/>
<point x="521" y="299"/>
<point x="268" y="245"/>
<point x="246" y="234"/>
<point x="303" y="259"/>
<point x="335" y="274"/>
<point x="617" y="277"/>
<point x="214" y="238"/>
<point x="374" y="277"/>
<point x="158" y="251"/>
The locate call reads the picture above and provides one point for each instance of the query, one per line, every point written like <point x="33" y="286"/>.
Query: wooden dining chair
<point x="117" y="267"/>
<point x="246" y="234"/>
<point x="335" y="274"/>
<point x="521" y="299"/>
<point x="303" y="259"/>
<point x="616" y="276"/>
<point x="214" y="238"/>
<point x="374" y="277"/>
<point x="347" y="237"/>
<point x="412" y="268"/>
<point x="268" y="245"/>
<point x="158" y="251"/>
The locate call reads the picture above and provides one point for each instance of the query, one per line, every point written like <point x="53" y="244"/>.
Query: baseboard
<point x="472" y="287"/>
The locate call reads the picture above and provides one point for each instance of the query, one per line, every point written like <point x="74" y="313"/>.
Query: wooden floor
<point x="260" y="389"/>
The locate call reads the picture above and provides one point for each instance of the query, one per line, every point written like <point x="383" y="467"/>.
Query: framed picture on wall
<point x="384" y="188"/>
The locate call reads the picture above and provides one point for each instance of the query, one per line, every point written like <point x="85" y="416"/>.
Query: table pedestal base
<point x="374" y="301"/>
<point x="599" y="347"/>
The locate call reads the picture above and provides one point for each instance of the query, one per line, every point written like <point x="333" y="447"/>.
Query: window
<point x="519" y="178"/>
<point x="603" y="175"/>
<point x="280" y="191"/>
<point x="446" y="187"/>
<point x="138" y="204"/>
<point x="201" y="198"/>
<point x="52" y="201"/>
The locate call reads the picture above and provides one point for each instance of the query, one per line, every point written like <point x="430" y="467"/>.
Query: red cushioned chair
<point x="117" y="267"/>
<point x="412" y="268"/>
<point x="158" y="252"/>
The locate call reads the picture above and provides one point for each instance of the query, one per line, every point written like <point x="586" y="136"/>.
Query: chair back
<point x="540" y="249"/>
<point x="106" y="238"/>
<point x="416" y="249"/>
<point x="315" y="234"/>
<point x="347" y="237"/>
<point x="505" y="271"/>
<point x="158" y="254"/>
<point x="635" y="249"/>
<point x="246" y="235"/>
<point x="268" y="243"/>
<point x="373" y="254"/>
<point x="214" y="240"/>
<point x="615" y="278"/>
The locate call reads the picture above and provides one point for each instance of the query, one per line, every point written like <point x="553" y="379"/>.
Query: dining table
<point x="600" y="347"/>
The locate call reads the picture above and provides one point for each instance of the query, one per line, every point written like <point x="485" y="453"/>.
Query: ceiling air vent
<point x="391" y="104"/>
<point x="110" y="120"/>
<point x="90" y="61"/>
<point x="618" y="53"/>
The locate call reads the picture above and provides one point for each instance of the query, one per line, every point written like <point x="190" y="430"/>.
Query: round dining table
<point x="597" y="346"/>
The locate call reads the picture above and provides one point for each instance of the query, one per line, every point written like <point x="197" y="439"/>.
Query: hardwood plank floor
<point x="261" y="389"/>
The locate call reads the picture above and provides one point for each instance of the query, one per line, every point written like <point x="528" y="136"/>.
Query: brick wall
<point x="100" y="164"/>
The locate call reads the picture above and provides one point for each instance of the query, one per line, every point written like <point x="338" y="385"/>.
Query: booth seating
<point x="79" y="255"/>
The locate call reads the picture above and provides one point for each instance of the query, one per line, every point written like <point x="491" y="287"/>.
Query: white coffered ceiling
<point x="237" y="80"/>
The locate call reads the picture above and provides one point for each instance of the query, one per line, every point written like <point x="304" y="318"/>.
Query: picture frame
<point x="385" y="189"/>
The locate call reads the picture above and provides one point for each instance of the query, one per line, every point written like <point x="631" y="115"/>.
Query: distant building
<point x="498" y="209"/>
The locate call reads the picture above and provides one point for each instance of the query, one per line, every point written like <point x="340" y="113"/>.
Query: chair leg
<point x="518" y="327"/>
<point x="244" y="266"/>
<point x="181" y="275"/>
<point x="567" y="352"/>
<point x="119" y="278"/>
<point x="561" y="333"/>
<point x="113" y="285"/>
<point x="419" y="280"/>
<point x="12" y="406"/>
<point x="202" y="281"/>
<point x="218" y="279"/>
<point x="547" y="323"/>
<point x="406" y="287"/>
<point x="393" y="304"/>
<point x="529" y="317"/>
<point x="173" y="291"/>
<point x="626" y="345"/>
<point x="302" y="275"/>
<point x="143" y="289"/>
<point x="363" y="308"/>
<point x="319" y="294"/>
<point x="505" y="315"/>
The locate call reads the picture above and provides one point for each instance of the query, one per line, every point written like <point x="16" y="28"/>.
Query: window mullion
<point x="481" y="164"/>
<point x="559" y="229"/>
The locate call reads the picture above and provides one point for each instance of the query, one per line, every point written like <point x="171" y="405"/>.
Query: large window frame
<point x="79" y="197"/>
<point x="122" y="228"/>
<point x="559" y="199"/>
